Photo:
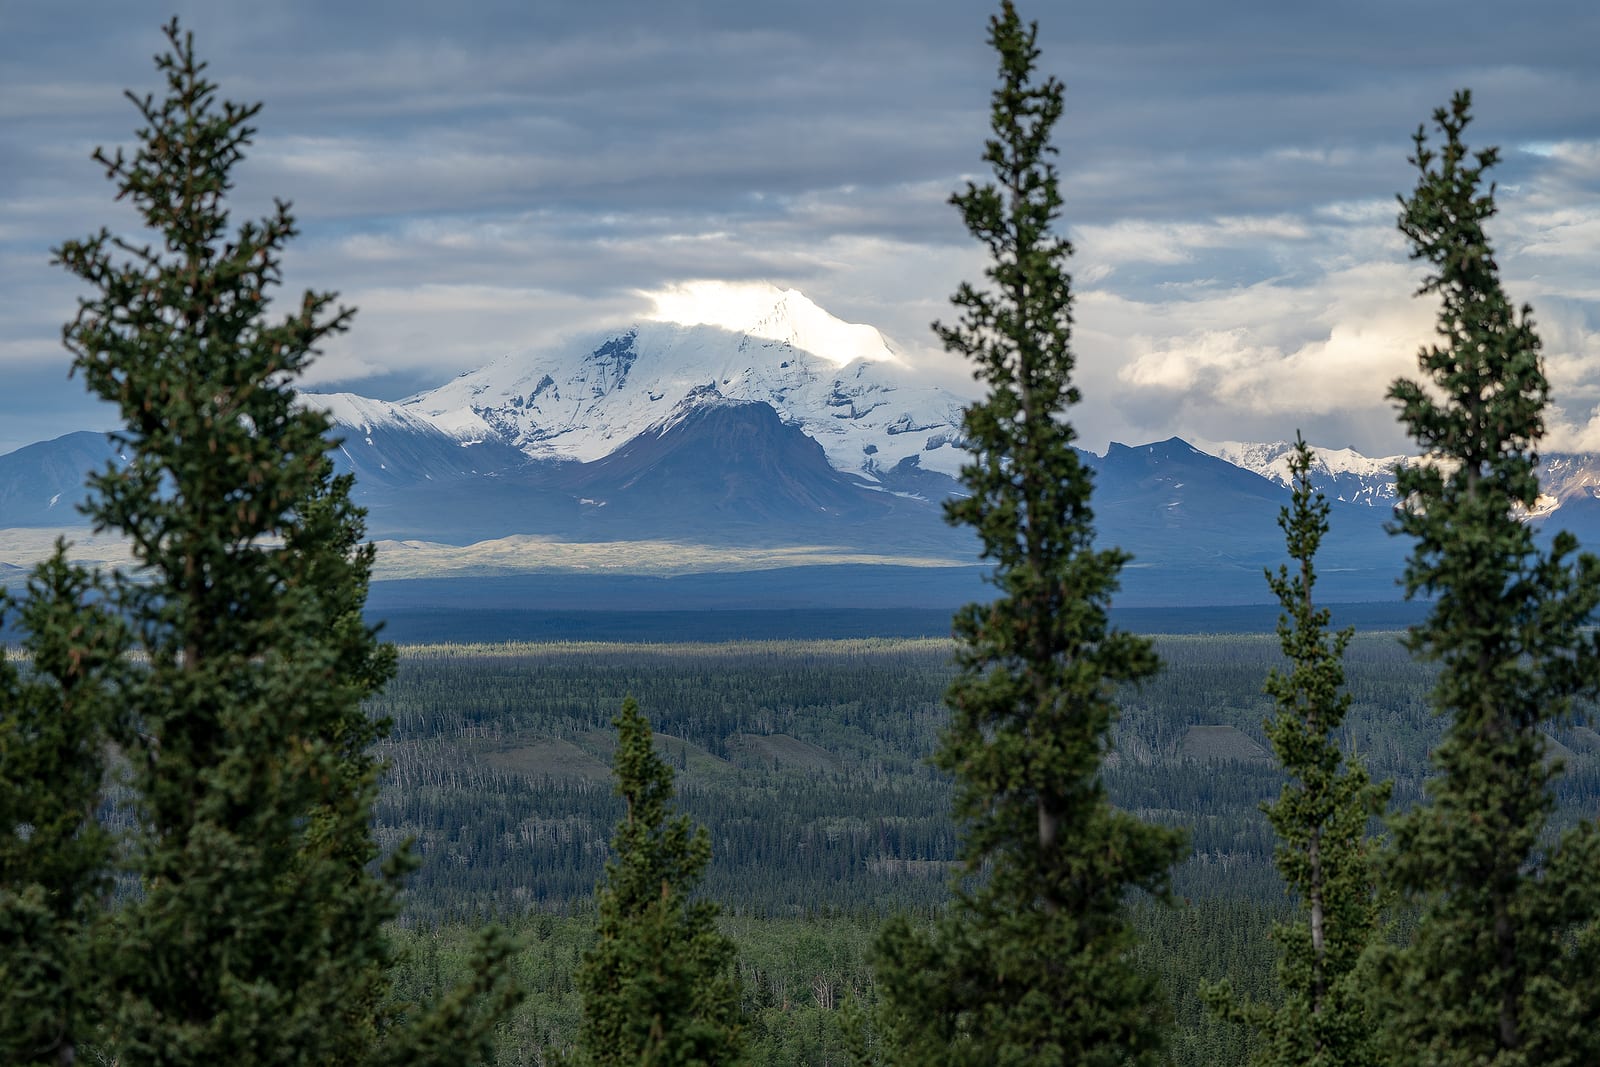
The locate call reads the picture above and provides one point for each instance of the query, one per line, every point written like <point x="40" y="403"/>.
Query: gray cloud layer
<point x="481" y="177"/>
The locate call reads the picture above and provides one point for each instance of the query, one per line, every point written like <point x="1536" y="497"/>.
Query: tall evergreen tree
<point x="257" y="937"/>
<point x="1505" y="961"/>
<point x="1324" y="854"/>
<point x="55" y="856"/>
<point x="1032" y="964"/>
<point x="658" y="986"/>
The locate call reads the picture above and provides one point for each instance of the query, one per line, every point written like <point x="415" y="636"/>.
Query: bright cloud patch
<point x="748" y="307"/>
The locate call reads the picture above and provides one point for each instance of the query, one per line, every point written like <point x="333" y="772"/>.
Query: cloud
<point x="482" y="178"/>
<point x="1317" y="348"/>
<point x="1265" y="357"/>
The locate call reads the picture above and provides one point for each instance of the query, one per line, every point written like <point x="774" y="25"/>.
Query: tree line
<point x="247" y="914"/>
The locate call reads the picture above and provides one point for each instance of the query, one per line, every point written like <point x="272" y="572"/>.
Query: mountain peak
<point x="1342" y="474"/>
<point x="839" y="382"/>
<point x="1271" y="459"/>
<point x="765" y="311"/>
<point x="1172" y="446"/>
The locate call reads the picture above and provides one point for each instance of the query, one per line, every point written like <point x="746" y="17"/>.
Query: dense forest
<point x="807" y="760"/>
<point x="807" y="763"/>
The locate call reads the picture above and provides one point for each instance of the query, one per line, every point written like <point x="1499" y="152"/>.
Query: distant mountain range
<point x="792" y="429"/>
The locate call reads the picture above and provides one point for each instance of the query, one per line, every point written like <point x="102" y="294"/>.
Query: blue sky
<point x="483" y="177"/>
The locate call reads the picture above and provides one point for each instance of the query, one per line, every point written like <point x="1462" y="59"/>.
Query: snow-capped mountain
<point x="1342" y="474"/>
<point x="1567" y="479"/>
<point x="765" y="421"/>
<point x="841" y="383"/>
<point x="387" y="444"/>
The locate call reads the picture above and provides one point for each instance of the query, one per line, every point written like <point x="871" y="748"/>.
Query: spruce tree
<point x="257" y="935"/>
<point x="1503" y="966"/>
<point x="55" y="856"/>
<point x="658" y="986"/>
<point x="1321" y="816"/>
<point x="1032" y="963"/>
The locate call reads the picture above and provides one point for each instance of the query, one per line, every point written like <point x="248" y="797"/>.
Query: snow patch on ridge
<point x="365" y="415"/>
<point x="1271" y="459"/>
